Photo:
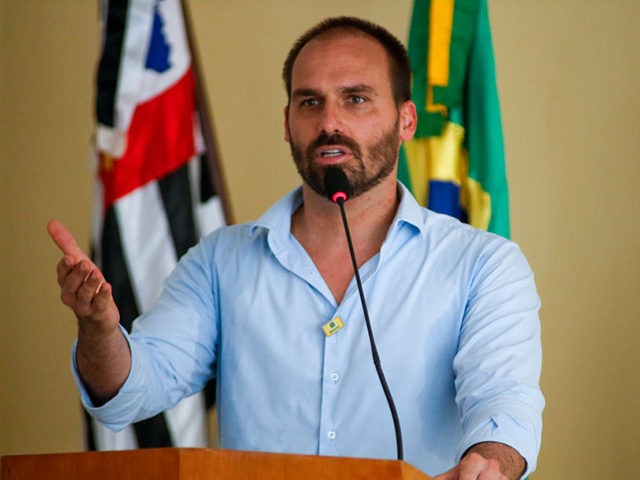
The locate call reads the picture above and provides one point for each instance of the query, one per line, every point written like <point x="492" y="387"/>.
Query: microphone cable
<point x="338" y="190"/>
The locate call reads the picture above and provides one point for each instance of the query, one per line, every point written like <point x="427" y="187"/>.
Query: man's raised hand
<point x="83" y="288"/>
<point x="102" y="355"/>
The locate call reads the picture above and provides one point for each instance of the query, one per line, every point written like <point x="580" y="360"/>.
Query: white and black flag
<point x="159" y="185"/>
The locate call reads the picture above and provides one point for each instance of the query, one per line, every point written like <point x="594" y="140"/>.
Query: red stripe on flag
<point x="160" y="139"/>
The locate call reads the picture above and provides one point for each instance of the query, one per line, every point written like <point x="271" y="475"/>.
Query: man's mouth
<point x="332" y="153"/>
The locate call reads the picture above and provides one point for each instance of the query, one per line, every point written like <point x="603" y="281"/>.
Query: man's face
<point x="342" y="112"/>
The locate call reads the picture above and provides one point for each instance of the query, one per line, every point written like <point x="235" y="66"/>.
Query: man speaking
<point x="272" y="309"/>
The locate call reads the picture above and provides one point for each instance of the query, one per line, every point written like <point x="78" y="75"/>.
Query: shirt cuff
<point x="511" y="431"/>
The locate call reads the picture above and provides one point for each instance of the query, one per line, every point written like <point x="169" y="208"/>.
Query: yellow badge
<point x="332" y="326"/>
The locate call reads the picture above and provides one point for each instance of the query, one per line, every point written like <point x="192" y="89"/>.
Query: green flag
<point x="455" y="164"/>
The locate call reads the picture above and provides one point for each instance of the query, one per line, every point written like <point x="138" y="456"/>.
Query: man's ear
<point x="408" y="120"/>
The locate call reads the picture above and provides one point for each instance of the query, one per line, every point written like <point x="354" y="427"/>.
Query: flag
<point x="455" y="163"/>
<point x="155" y="179"/>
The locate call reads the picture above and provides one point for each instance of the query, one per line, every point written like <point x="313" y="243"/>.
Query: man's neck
<point x="317" y="225"/>
<point x="369" y="214"/>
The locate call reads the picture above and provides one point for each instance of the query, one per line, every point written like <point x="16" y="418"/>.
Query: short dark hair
<point x="399" y="68"/>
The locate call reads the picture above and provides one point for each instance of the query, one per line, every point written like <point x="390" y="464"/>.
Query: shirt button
<point x="335" y="376"/>
<point x="331" y="435"/>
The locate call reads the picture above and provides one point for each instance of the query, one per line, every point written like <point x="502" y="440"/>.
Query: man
<point x="454" y="309"/>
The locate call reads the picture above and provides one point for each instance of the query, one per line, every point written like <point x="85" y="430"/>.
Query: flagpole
<point x="212" y="154"/>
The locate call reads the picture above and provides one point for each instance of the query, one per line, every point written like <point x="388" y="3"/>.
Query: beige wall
<point x="567" y="72"/>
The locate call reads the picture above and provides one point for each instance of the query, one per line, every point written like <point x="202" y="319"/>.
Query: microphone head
<point x="336" y="184"/>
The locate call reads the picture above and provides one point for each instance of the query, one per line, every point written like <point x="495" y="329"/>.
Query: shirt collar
<point x="409" y="211"/>
<point x="277" y="220"/>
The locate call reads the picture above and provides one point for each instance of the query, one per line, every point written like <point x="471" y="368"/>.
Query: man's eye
<point x="310" y="102"/>
<point x="357" y="99"/>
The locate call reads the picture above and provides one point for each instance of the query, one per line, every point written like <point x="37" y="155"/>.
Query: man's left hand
<point x="487" y="461"/>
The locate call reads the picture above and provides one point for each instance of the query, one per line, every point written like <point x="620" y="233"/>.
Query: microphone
<point x="338" y="190"/>
<point x="337" y="185"/>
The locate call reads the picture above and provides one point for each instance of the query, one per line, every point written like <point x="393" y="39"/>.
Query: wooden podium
<point x="200" y="464"/>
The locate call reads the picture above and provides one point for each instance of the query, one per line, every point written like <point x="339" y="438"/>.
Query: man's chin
<point x="315" y="181"/>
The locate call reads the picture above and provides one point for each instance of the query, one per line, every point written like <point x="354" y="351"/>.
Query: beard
<point x="381" y="161"/>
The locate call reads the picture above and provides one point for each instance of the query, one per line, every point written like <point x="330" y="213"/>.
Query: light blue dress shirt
<point x="453" y="309"/>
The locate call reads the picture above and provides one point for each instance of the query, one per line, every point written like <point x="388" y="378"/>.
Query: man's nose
<point x="332" y="118"/>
